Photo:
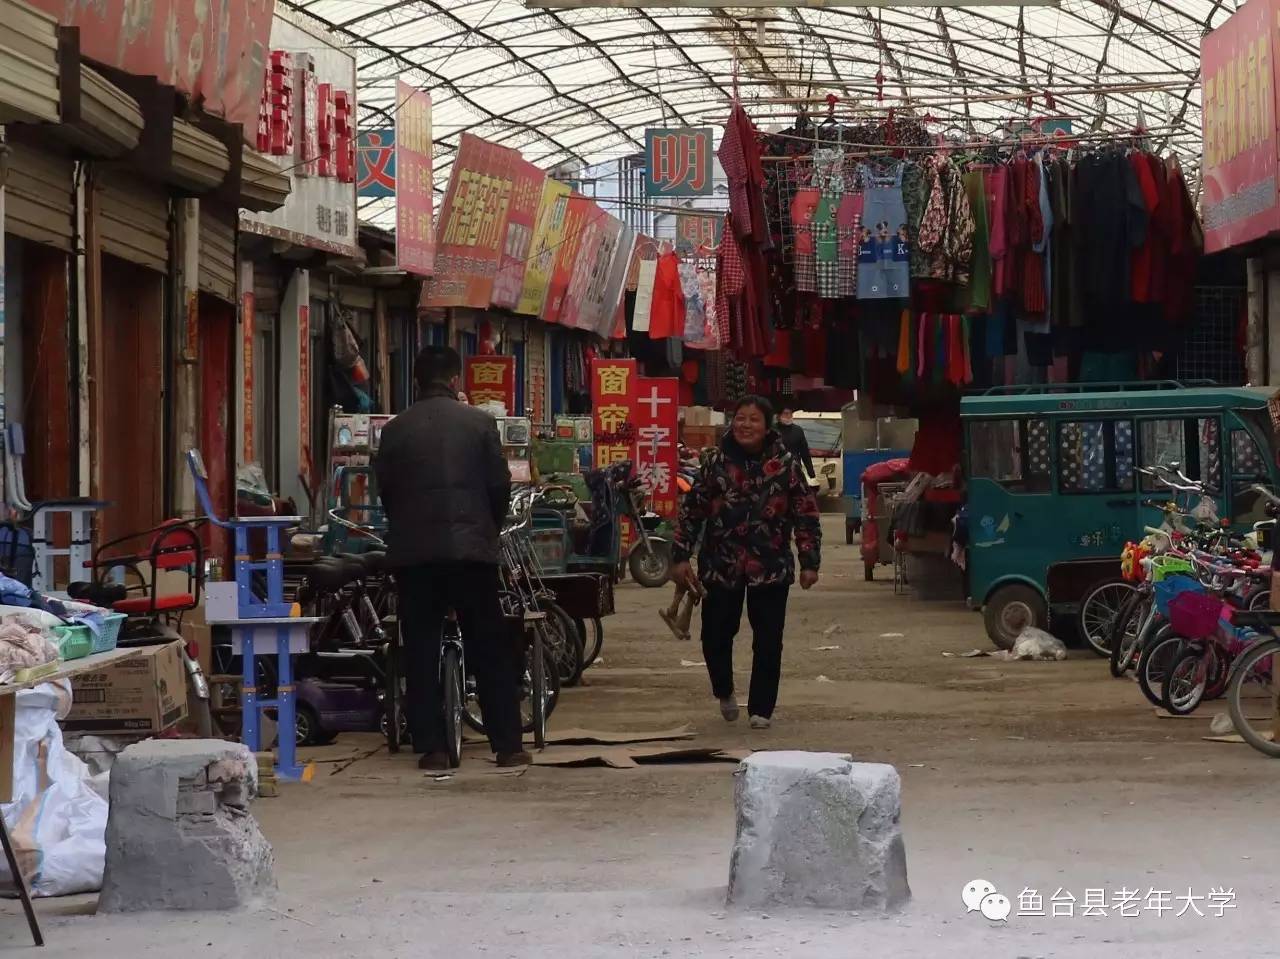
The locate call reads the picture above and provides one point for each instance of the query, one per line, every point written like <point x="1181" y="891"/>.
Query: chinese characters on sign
<point x="547" y="233"/>
<point x="678" y="161"/>
<point x="306" y="125"/>
<point x="491" y="379"/>
<point x="578" y="214"/>
<point x="473" y="225"/>
<point x="415" y="233"/>
<point x="1241" y="200"/>
<point x="248" y="332"/>
<point x="657" y="412"/>
<point x="981" y="896"/>
<point x="376" y="163"/>
<point x="304" y="391"/>
<point x="613" y="398"/>
<point x="695" y="231"/>
<point x="526" y="197"/>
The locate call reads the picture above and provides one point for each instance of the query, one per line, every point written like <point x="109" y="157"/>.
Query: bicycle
<point x="1253" y="692"/>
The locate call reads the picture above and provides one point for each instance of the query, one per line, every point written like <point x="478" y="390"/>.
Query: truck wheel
<point x="1010" y="610"/>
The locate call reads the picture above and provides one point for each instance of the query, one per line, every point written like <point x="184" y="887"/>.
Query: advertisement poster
<point x="613" y="402"/>
<point x="321" y="210"/>
<point x="376" y="164"/>
<point x="547" y="234"/>
<point x="526" y="197"/>
<point x="1240" y="202"/>
<point x="578" y="214"/>
<point x="473" y="224"/>
<point x="491" y="379"/>
<point x="304" y="391"/>
<point x="657" y="413"/>
<point x="583" y="267"/>
<point x="415" y="233"/>
<point x="604" y="292"/>
<point x="218" y="63"/>
<point x="248" y="330"/>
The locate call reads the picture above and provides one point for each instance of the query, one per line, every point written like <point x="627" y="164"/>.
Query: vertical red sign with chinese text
<point x="526" y="197"/>
<point x="473" y="225"/>
<point x="1241" y="200"/>
<point x="415" y="233"/>
<point x="247" y="333"/>
<point x="491" y="379"/>
<point x="613" y="405"/>
<point x="304" y="391"/>
<point x="577" y="215"/>
<point x="657" y="427"/>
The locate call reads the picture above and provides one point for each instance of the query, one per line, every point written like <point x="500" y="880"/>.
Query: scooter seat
<point x="334" y="572"/>
<point x="374" y="561"/>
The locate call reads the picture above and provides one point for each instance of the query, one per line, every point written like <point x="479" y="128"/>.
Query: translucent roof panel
<point x="582" y="85"/>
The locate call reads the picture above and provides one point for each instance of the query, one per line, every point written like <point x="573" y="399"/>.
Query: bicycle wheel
<point x="1187" y="680"/>
<point x="1156" y="660"/>
<point x="1254" y="697"/>
<point x="393" y="693"/>
<point x="567" y="644"/>
<point x="1099" y="609"/>
<point x="1125" y="629"/>
<point x="451" y="698"/>
<point x="592" y="631"/>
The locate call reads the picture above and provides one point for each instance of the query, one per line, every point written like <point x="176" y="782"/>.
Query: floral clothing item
<point x="947" y="227"/>
<point x="744" y="510"/>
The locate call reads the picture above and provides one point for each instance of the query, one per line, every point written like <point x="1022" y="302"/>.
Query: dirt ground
<point x="1041" y="776"/>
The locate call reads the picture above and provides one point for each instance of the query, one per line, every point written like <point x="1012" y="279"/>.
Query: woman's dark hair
<point x="760" y="403"/>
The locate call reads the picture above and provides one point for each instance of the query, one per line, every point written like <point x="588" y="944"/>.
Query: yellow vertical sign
<point x="548" y="232"/>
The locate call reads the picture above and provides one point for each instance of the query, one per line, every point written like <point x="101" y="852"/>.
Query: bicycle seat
<point x="373" y="561"/>
<point x="334" y="572"/>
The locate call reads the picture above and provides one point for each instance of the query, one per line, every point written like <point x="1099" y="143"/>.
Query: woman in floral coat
<point x="749" y="498"/>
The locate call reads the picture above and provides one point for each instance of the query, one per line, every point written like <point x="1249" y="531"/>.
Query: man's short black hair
<point x="436" y="366"/>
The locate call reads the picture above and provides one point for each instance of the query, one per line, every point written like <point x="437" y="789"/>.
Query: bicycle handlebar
<point x="365" y="531"/>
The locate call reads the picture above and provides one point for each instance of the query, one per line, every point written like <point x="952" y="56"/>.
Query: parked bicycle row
<point x="1190" y="615"/>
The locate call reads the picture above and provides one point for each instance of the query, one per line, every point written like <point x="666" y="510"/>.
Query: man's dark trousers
<point x="493" y="653"/>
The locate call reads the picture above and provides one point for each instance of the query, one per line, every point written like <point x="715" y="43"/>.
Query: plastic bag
<point x="1033" y="643"/>
<point x="57" y="820"/>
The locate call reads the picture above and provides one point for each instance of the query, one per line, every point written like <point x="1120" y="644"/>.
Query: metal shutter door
<point x="133" y="222"/>
<point x="40" y="197"/>
<point x="217" y="253"/>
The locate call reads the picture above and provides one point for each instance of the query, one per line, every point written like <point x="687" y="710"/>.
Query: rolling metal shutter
<point x="40" y="197"/>
<point x="217" y="252"/>
<point x="133" y="222"/>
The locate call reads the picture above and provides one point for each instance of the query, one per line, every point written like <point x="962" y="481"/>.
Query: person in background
<point x="445" y="487"/>
<point x="794" y="439"/>
<point x="748" y="500"/>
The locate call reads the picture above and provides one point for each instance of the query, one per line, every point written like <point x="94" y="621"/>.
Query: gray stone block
<point x="818" y="830"/>
<point x="179" y="835"/>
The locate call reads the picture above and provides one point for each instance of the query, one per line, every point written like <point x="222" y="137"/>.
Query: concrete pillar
<point x="295" y="386"/>
<point x="186" y="374"/>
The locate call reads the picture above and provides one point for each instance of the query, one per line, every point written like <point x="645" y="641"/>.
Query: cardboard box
<point x="146" y="693"/>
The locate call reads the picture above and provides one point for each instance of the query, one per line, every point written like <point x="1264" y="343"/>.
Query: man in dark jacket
<point x="445" y="487"/>
<point x="794" y="439"/>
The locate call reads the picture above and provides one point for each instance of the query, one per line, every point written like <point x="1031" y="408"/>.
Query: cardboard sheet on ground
<point x="628" y="757"/>
<point x="1234" y="738"/>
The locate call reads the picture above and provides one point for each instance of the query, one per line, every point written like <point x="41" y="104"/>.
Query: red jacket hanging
<point x="667" y="315"/>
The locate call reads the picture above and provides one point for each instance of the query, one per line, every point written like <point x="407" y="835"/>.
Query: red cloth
<point x="739" y="155"/>
<point x="1185" y="244"/>
<point x="666" y="319"/>
<point x="1141" y="260"/>
<point x="937" y="446"/>
<point x="1032" y="262"/>
<point x="995" y="183"/>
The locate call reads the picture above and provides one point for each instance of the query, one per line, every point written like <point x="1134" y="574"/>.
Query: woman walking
<point x="749" y="497"/>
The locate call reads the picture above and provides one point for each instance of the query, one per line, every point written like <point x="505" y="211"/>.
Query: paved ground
<point x="1044" y="776"/>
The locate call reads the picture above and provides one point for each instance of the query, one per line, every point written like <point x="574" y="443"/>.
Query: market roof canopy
<point x="583" y="84"/>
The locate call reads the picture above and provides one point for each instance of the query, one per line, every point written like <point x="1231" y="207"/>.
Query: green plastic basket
<point x="1165" y="566"/>
<point x="73" y="636"/>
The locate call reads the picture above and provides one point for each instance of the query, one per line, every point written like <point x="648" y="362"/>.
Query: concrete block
<point x="169" y="847"/>
<point x="818" y="830"/>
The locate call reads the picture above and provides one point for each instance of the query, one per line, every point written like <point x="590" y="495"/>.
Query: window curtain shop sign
<point x="677" y="161"/>
<point x="213" y="52"/>
<point x="376" y="164"/>
<point x="526" y="198"/>
<point x="1238" y="63"/>
<point x="548" y="231"/>
<point x="415" y="233"/>
<point x="578" y="215"/>
<point x="491" y="379"/>
<point x="613" y="402"/>
<point x="305" y="126"/>
<point x="657" y="426"/>
<point x="473" y="223"/>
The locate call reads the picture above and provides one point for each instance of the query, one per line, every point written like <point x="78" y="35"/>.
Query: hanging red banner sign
<point x="491" y="379"/>
<point x="415" y="233"/>
<point x="613" y="401"/>
<point x="578" y="214"/>
<point x="304" y="391"/>
<point x="473" y="224"/>
<point x="584" y="265"/>
<point x="657" y="426"/>
<point x="526" y="197"/>
<point x="248" y="331"/>
<point x="1241" y="200"/>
